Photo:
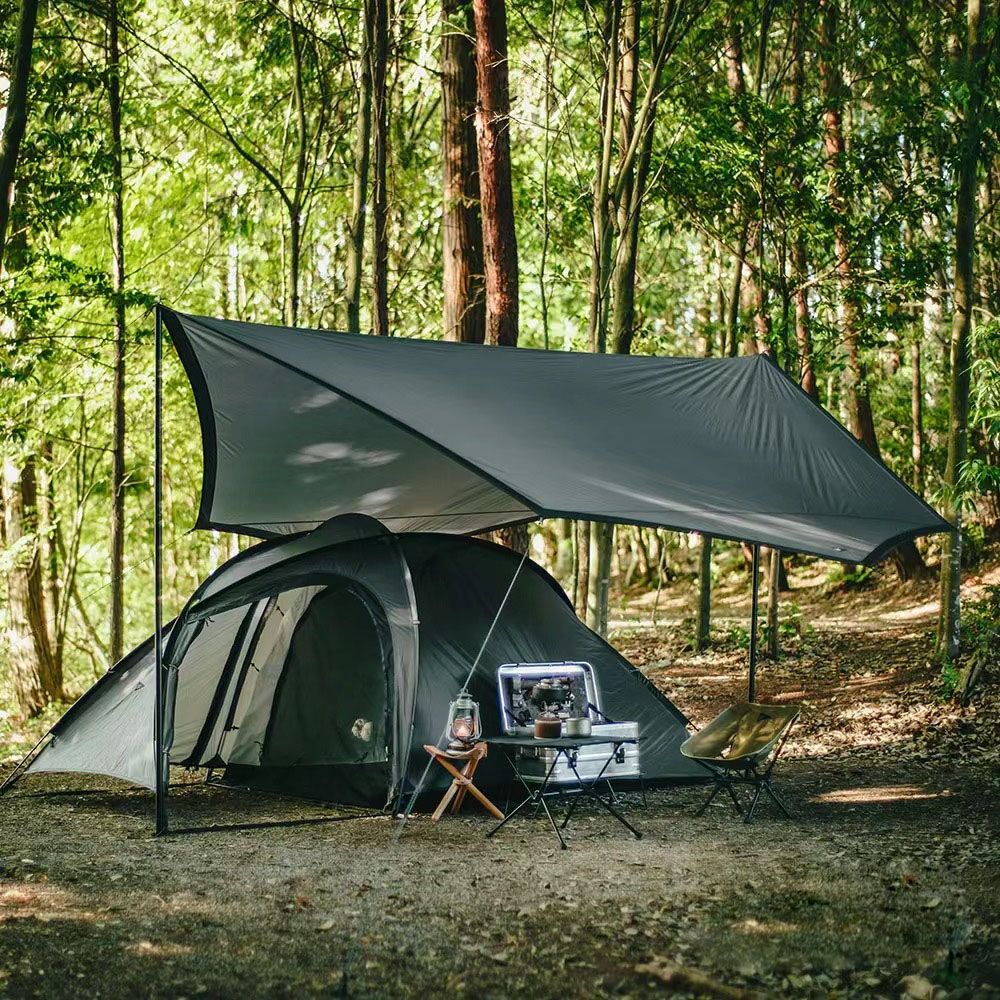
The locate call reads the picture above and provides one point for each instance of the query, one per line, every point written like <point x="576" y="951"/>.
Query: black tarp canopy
<point x="302" y="425"/>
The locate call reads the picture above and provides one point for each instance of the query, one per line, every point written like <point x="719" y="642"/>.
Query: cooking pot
<point x="547" y="728"/>
<point x="577" y="727"/>
<point x="550" y="691"/>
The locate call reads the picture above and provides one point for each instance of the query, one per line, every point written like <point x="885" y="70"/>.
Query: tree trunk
<point x="295" y="207"/>
<point x="906" y="557"/>
<point x="17" y="114"/>
<point x="582" y="568"/>
<point x="495" y="192"/>
<point x="362" y="159"/>
<point x="737" y="84"/>
<point x="859" y="409"/>
<point x="758" y="292"/>
<point x="917" y="415"/>
<point x="116" y="644"/>
<point x="963" y="298"/>
<point x="461" y="225"/>
<point x="51" y="541"/>
<point x="703" y="629"/>
<point x="380" y="194"/>
<point x="800" y="267"/>
<point x="513" y="536"/>
<point x="773" y="587"/>
<point x="630" y="186"/>
<point x="600" y="265"/>
<point x="604" y="535"/>
<point x="37" y="681"/>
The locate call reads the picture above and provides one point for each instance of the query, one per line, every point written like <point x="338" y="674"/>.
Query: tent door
<point x="332" y="702"/>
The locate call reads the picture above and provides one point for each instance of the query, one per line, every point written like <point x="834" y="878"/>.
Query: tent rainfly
<point x="301" y="425"/>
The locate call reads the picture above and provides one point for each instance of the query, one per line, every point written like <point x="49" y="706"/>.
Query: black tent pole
<point x="160" y="770"/>
<point x="755" y="573"/>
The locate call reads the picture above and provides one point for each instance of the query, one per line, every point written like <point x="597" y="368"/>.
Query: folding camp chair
<point x="741" y="747"/>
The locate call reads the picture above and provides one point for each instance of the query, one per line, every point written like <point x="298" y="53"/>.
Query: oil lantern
<point x="464" y="725"/>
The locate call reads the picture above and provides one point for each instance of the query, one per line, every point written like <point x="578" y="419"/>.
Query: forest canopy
<point x="817" y="181"/>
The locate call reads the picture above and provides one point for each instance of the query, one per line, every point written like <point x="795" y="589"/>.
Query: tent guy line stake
<point x="468" y="677"/>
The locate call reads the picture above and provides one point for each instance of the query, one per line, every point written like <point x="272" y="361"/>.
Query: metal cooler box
<point x="517" y="712"/>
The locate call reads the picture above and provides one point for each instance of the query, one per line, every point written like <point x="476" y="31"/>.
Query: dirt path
<point x="890" y="868"/>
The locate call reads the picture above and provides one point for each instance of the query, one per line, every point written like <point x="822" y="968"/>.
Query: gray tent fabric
<point x="301" y="425"/>
<point x="319" y="664"/>
<point x="109" y="730"/>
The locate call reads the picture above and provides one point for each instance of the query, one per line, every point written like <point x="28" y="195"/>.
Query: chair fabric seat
<point x="742" y="736"/>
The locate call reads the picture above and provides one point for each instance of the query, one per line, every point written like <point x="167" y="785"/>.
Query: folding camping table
<point x="568" y="747"/>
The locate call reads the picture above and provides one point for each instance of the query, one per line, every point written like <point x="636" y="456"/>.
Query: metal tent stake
<point x="162" y="774"/>
<point x="755" y="573"/>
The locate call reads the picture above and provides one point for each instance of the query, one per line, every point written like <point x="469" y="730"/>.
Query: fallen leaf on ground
<point x="677" y="976"/>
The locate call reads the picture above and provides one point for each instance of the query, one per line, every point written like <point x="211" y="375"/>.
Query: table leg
<point x="536" y="797"/>
<point x="617" y="815"/>
<point x="573" y="804"/>
<point x="541" y="797"/>
<point x="529" y="796"/>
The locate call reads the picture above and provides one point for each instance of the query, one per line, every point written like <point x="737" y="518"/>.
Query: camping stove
<point x="576" y="696"/>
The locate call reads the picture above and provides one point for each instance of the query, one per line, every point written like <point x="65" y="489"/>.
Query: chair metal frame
<point x="752" y="769"/>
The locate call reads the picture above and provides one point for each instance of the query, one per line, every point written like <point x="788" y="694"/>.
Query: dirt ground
<point x="885" y="883"/>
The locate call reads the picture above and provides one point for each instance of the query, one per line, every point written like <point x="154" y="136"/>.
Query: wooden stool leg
<point x="445" y="799"/>
<point x="469" y="771"/>
<point x="462" y="782"/>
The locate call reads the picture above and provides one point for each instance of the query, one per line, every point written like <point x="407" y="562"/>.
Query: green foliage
<point x="981" y="626"/>
<point x="949" y="680"/>
<point x="849" y="577"/>
<point x="210" y="88"/>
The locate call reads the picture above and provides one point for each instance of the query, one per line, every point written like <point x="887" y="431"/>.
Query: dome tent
<point x="318" y="664"/>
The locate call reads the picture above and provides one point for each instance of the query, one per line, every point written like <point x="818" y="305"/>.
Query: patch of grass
<point x="850" y="578"/>
<point x="949" y="680"/>
<point x="738" y="636"/>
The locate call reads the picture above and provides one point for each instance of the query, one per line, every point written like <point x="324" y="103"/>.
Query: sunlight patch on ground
<point x="764" y="927"/>
<point x="906" y="614"/>
<point x="164" y="950"/>
<point x="879" y="793"/>
<point x="42" y="903"/>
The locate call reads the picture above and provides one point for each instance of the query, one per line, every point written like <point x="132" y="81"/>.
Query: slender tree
<point x="859" y="408"/>
<point x="461" y="224"/>
<point x="37" y="681"/>
<point x="297" y="207"/>
<point x="16" y="119"/>
<point x="380" y="194"/>
<point x="973" y="71"/>
<point x="116" y="644"/>
<point x="703" y="627"/>
<point x="601" y="235"/>
<point x="636" y="130"/>
<point x="917" y="416"/>
<point x="800" y="267"/>
<point x="359" y="173"/>
<point x="495" y="191"/>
